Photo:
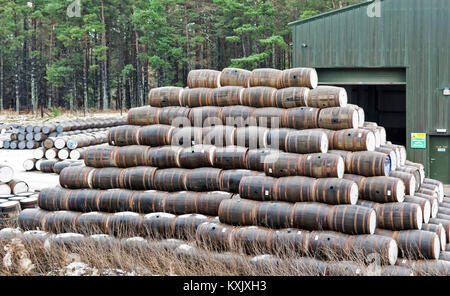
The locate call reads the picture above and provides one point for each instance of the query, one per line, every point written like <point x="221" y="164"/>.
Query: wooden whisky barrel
<point x="126" y="224"/>
<point x="265" y="77"/>
<point x="238" y="212"/>
<point x="322" y="165"/>
<point x="226" y="96"/>
<point x="237" y="116"/>
<point x="408" y="179"/>
<point x="164" y="157"/>
<point x="435" y="182"/>
<point x="215" y="237"/>
<point x="100" y="157"/>
<point x="444" y="223"/>
<point x="338" y="118"/>
<point x="252" y="137"/>
<point x="86" y="200"/>
<point x="257" y="188"/>
<point x="354" y="140"/>
<point x="230" y="179"/>
<point x="138" y="178"/>
<point x="427" y="267"/>
<point x="164" y="96"/>
<point x="196" y="156"/>
<point x="335" y="191"/>
<point x="196" y="97"/>
<point x="63" y="154"/>
<point x="267" y="117"/>
<point x="208" y="202"/>
<point x="230" y="157"/>
<point x="187" y="137"/>
<point x="399" y="216"/>
<point x="362" y="117"/>
<point x="203" y="179"/>
<point x="145" y="202"/>
<point x="155" y="135"/>
<point x="18" y="186"/>
<point x="283" y="165"/>
<point x="274" y="215"/>
<point x="327" y="97"/>
<point x="146" y="115"/>
<point x="39" y="153"/>
<point x="414" y="171"/>
<point x="370" y="164"/>
<point x="29" y="164"/>
<point x="32" y="219"/>
<point x="123" y="136"/>
<point x="47" y="166"/>
<point x="310" y="216"/>
<point x="29" y="203"/>
<point x="93" y="223"/>
<point x="276" y="138"/>
<point x="383" y="189"/>
<point x="259" y="97"/>
<point x="424" y="204"/>
<point x="304" y="142"/>
<point x="175" y="116"/>
<point x="301" y="118"/>
<point x="131" y="156"/>
<point x="292" y="97"/>
<point x="256" y="158"/>
<point x="235" y="77"/>
<point x="53" y="199"/>
<point x="299" y="77"/>
<point x="346" y="155"/>
<point x="439" y="230"/>
<point x="61" y="222"/>
<point x="415" y="244"/>
<point x="219" y="136"/>
<point x="295" y="189"/>
<point x="433" y="187"/>
<point x="203" y="78"/>
<point x="51" y="154"/>
<point x="207" y="116"/>
<point x="352" y="219"/>
<point x="395" y="161"/>
<point x="419" y="166"/>
<point x="105" y="178"/>
<point x="434" y="203"/>
<point x="170" y="180"/>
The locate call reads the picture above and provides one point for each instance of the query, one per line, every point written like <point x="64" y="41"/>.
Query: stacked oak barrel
<point x="266" y="162"/>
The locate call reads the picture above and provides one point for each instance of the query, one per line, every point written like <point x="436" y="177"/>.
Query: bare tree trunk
<point x="104" y="62"/>
<point x="2" y="77"/>
<point x="85" y="74"/>
<point x="34" y="95"/>
<point x="51" y="91"/>
<point x="16" y="83"/>
<point x="139" y="92"/>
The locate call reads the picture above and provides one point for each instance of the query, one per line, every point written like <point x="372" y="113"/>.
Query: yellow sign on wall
<point x="418" y="141"/>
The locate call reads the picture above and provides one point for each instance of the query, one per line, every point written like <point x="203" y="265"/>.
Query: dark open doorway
<point x="383" y="104"/>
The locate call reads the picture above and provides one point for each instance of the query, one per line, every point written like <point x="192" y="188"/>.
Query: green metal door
<point x="440" y="158"/>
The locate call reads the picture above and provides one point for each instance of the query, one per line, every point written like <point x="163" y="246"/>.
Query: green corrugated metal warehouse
<point x="393" y="58"/>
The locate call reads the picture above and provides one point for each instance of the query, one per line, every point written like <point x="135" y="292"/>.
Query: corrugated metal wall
<point x="414" y="34"/>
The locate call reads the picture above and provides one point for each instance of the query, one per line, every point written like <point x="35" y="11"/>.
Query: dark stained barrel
<point x="170" y="179"/>
<point x="187" y="137"/>
<point x="274" y="215"/>
<point x="164" y="157"/>
<point x="257" y="188"/>
<point x="164" y="96"/>
<point x="415" y="244"/>
<point x="231" y="157"/>
<point x="237" y="116"/>
<point x="93" y="223"/>
<point x="159" y="225"/>
<point x="145" y="202"/>
<point x="291" y="97"/>
<point x="59" y="166"/>
<point x="399" y="216"/>
<point x="195" y="203"/>
<point x="322" y="165"/>
<point x="304" y="142"/>
<point x="203" y="179"/>
<point x="196" y="156"/>
<point x="283" y="165"/>
<point x="176" y="116"/>
<point x="268" y="117"/>
<point x="215" y="237"/>
<point x="185" y="226"/>
<point x="346" y="155"/>
<point x="203" y="78"/>
<point x="76" y="177"/>
<point x="138" y="178"/>
<point x="53" y="199"/>
<point x="230" y="179"/>
<point x="434" y="203"/>
<point x="412" y="170"/>
<point x="433" y="187"/>
<point x="276" y="138"/>
<point x="266" y="77"/>
<point x="327" y="97"/>
<point x="196" y="97"/>
<point x="301" y="118"/>
<point x="435" y="182"/>
<point x="408" y="179"/>
<point x="424" y="204"/>
<point x="427" y="267"/>
<point x="335" y="191"/>
<point x="32" y="219"/>
<point x="338" y="118"/>
<point x="226" y="96"/>
<point x="238" y="212"/>
<point x="299" y="77"/>
<point x="85" y="200"/>
<point x="126" y="224"/>
<point x="123" y="136"/>
<point x="100" y="157"/>
<point x="259" y="97"/>
<point x="370" y="164"/>
<point x="146" y="115"/>
<point x="131" y="156"/>
<point x="47" y="166"/>
<point x="445" y="224"/>
<point x="219" y="136"/>
<point x="29" y="203"/>
<point x="295" y="189"/>
<point x="256" y="158"/>
<point x="235" y="77"/>
<point x="383" y="189"/>
<point x="205" y="116"/>
<point x="252" y="137"/>
<point x="155" y="135"/>
<point x="354" y="140"/>
<point x="352" y="219"/>
<point x="310" y="216"/>
<point x="439" y="230"/>
<point x="62" y="222"/>
<point x="106" y="178"/>
<point x="9" y="213"/>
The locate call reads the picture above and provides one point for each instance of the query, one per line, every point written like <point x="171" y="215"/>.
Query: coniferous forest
<point x="107" y="54"/>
